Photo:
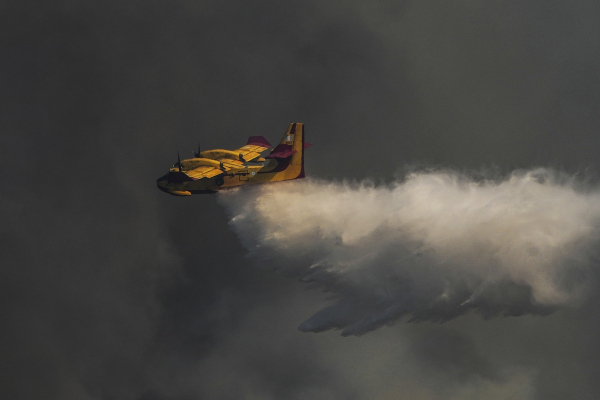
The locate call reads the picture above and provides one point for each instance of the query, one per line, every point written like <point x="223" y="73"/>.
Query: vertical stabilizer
<point x="298" y="146"/>
<point x="289" y="153"/>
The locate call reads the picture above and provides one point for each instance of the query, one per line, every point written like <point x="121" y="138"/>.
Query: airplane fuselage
<point x="278" y="167"/>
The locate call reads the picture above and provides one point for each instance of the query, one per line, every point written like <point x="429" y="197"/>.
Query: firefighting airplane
<point x="213" y="170"/>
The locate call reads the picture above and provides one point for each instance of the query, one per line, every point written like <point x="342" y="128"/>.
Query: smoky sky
<point x="111" y="289"/>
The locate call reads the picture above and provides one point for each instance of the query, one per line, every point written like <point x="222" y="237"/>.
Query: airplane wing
<point x="208" y="171"/>
<point x="235" y="159"/>
<point x="256" y="145"/>
<point x="203" y="172"/>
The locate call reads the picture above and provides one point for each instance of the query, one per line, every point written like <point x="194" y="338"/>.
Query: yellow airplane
<point x="213" y="170"/>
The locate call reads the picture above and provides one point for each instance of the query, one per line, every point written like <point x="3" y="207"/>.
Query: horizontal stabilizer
<point x="307" y="145"/>
<point x="282" y="151"/>
<point x="258" y="141"/>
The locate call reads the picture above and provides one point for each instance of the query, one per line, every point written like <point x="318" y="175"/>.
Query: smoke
<point x="431" y="247"/>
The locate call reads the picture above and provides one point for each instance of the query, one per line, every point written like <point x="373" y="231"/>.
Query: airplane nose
<point x="162" y="183"/>
<point x="162" y="178"/>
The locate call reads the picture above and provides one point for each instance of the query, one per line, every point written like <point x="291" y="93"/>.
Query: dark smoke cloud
<point x="110" y="289"/>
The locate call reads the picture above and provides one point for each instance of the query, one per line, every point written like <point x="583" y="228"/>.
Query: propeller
<point x="242" y="158"/>
<point x="197" y="154"/>
<point x="222" y="167"/>
<point x="178" y="161"/>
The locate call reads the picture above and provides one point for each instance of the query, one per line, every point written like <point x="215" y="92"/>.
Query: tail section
<point x="297" y="136"/>
<point x="289" y="153"/>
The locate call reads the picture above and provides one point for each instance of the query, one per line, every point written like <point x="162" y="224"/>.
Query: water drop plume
<point x="433" y="246"/>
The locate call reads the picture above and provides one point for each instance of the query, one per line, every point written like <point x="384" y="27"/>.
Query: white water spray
<point x="432" y="247"/>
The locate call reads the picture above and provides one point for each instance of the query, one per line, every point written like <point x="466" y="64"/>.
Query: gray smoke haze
<point x="432" y="247"/>
<point x="110" y="289"/>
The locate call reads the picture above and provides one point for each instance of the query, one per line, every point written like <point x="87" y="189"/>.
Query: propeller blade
<point x="178" y="161"/>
